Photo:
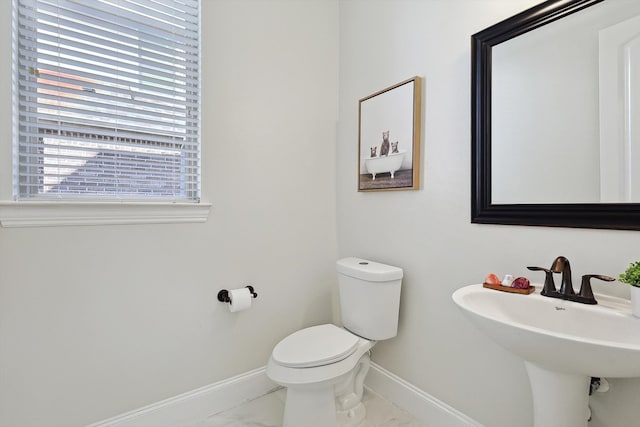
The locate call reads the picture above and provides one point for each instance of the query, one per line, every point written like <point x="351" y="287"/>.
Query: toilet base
<point x="333" y="403"/>
<point x="350" y="410"/>
<point x="310" y="407"/>
<point x="317" y="408"/>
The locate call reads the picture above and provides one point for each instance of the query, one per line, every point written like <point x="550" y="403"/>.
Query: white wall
<point x="99" y="320"/>
<point x="107" y="319"/>
<point x="428" y="232"/>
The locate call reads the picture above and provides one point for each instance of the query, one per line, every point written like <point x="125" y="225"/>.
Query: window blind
<point x="108" y="100"/>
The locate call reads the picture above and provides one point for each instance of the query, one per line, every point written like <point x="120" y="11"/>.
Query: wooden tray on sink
<point x="527" y="291"/>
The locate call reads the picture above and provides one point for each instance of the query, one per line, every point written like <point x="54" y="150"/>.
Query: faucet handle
<point x="600" y="277"/>
<point x="549" y="286"/>
<point x="586" y="294"/>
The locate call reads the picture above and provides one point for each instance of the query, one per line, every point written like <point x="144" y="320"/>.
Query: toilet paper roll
<point x="240" y="299"/>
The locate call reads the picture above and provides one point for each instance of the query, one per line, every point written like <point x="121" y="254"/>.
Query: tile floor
<point x="266" y="411"/>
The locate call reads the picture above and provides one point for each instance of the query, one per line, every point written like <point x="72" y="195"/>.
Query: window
<point x="107" y="100"/>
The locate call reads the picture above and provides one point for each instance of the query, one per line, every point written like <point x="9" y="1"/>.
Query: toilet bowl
<point x="323" y="367"/>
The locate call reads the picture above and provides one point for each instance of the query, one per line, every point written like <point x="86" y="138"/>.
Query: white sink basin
<point x="563" y="344"/>
<point x="600" y="340"/>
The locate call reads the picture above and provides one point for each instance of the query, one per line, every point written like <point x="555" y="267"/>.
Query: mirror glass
<point x="556" y="93"/>
<point x="565" y="110"/>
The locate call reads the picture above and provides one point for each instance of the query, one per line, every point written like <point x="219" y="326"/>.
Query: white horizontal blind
<point x="108" y="100"/>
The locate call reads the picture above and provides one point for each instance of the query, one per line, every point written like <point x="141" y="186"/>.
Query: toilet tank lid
<point x="368" y="270"/>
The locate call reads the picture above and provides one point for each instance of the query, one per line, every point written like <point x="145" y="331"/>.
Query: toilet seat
<point x="315" y="346"/>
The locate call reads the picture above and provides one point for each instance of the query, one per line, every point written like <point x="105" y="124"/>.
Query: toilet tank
<point x="369" y="297"/>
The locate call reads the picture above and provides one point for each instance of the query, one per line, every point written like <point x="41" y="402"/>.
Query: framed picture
<point x="389" y="132"/>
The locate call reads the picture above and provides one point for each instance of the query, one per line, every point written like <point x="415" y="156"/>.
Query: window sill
<point x="56" y="214"/>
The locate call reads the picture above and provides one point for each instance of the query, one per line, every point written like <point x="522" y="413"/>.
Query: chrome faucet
<point x="562" y="265"/>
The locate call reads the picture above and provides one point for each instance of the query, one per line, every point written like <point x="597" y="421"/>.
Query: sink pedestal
<point x="559" y="399"/>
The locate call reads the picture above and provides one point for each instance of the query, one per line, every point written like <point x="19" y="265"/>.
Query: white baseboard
<point x="418" y="403"/>
<point x="196" y="405"/>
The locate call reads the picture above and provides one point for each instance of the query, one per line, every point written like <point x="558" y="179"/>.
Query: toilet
<point x="323" y="367"/>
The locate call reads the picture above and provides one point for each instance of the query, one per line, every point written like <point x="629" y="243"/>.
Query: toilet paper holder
<point x="223" y="295"/>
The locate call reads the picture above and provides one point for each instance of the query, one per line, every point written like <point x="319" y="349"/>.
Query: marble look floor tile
<point x="267" y="411"/>
<point x="382" y="413"/>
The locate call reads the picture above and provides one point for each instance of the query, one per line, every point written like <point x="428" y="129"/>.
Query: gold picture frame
<point x="389" y="131"/>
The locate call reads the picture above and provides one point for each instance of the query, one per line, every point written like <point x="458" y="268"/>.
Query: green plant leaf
<point x="631" y="275"/>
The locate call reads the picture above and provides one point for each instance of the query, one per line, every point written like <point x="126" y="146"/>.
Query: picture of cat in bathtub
<point x="386" y="165"/>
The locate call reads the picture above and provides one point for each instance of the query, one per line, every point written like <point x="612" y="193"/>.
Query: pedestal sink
<point x="563" y="345"/>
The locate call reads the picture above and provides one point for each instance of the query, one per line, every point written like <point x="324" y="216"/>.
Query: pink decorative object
<point x="492" y="279"/>
<point x="521" y="283"/>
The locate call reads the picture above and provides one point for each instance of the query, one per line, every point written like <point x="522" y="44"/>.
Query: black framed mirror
<point x="484" y="210"/>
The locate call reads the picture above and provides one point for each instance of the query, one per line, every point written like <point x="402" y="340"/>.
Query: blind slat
<point x="170" y="59"/>
<point x="184" y="148"/>
<point x="133" y="76"/>
<point x="34" y="130"/>
<point x="120" y="20"/>
<point x="66" y="81"/>
<point x="82" y="103"/>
